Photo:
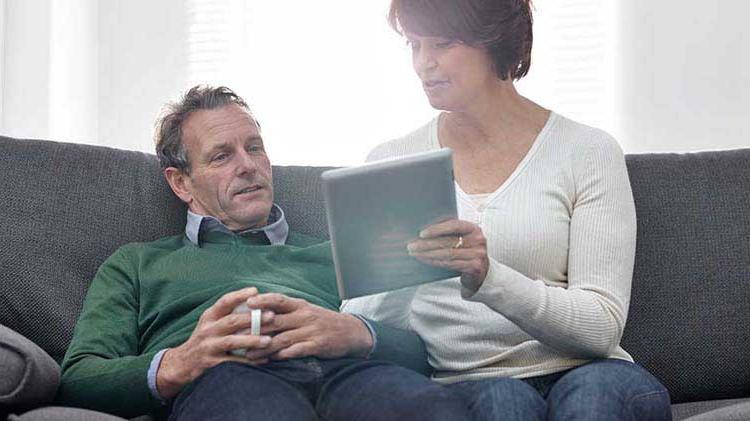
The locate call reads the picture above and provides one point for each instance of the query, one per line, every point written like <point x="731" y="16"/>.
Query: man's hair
<point x="169" y="134"/>
<point x="501" y="27"/>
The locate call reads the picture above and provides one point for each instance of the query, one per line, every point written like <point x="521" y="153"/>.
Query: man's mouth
<point x="249" y="189"/>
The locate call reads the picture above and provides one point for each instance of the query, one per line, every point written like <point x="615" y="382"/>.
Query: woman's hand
<point x="457" y="245"/>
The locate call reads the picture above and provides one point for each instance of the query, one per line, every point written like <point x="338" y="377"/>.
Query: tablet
<point x="376" y="209"/>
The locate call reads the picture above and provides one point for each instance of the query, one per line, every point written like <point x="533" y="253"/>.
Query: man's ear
<point x="180" y="183"/>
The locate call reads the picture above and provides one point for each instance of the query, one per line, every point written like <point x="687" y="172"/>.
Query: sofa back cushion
<point x="689" y="318"/>
<point x="65" y="208"/>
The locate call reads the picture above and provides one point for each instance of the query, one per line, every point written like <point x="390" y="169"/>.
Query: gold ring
<point x="459" y="243"/>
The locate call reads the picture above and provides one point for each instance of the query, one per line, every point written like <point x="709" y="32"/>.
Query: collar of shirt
<point x="277" y="229"/>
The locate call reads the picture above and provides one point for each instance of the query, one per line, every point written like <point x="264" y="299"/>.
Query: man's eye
<point x="255" y="148"/>
<point x="444" y="44"/>
<point x="220" y="157"/>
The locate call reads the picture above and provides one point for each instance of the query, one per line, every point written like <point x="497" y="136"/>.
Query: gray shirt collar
<point x="277" y="229"/>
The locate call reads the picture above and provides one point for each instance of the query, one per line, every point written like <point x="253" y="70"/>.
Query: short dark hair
<point x="168" y="136"/>
<point x="501" y="27"/>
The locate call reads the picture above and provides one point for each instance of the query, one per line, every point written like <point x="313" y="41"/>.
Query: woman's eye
<point x="444" y="44"/>
<point x="220" y="157"/>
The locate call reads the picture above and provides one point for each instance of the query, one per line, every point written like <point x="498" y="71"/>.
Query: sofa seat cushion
<point x="716" y="410"/>
<point x="55" y="413"/>
<point x="29" y="375"/>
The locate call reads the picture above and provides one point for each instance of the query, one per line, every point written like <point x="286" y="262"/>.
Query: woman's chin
<point x="439" y="104"/>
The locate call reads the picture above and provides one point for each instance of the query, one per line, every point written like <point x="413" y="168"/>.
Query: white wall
<point x="685" y="74"/>
<point x="73" y="84"/>
<point x="680" y="70"/>
<point x="2" y="57"/>
<point x="27" y="51"/>
<point x="142" y="65"/>
<point x="115" y="63"/>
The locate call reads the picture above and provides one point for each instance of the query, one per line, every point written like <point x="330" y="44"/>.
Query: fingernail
<point x="422" y="234"/>
<point x="411" y="247"/>
<point x="265" y="340"/>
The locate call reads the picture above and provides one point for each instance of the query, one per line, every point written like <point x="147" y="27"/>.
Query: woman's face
<point x="453" y="74"/>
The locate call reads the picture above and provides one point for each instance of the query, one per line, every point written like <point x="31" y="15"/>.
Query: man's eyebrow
<point x="217" y="147"/>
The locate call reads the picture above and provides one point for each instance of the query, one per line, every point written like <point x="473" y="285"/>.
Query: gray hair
<point x="168" y="137"/>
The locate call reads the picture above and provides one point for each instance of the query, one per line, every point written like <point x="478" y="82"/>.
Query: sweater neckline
<point x="535" y="146"/>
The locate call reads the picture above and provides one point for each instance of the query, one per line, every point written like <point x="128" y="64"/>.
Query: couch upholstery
<point x="64" y="208"/>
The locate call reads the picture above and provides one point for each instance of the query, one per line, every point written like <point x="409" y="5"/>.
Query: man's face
<point x="230" y="174"/>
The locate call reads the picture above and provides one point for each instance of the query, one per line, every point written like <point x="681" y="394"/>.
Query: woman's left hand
<point x="457" y="245"/>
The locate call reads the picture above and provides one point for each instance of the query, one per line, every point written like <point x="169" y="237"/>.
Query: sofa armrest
<point x="30" y="375"/>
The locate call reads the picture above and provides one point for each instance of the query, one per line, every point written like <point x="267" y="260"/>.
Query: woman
<point x="545" y="239"/>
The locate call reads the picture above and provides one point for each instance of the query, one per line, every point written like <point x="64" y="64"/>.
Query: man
<point x="158" y="324"/>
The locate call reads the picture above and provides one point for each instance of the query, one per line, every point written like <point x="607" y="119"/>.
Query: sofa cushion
<point x="54" y="413"/>
<point x="718" y="410"/>
<point x="29" y="375"/>
<point x="688" y="319"/>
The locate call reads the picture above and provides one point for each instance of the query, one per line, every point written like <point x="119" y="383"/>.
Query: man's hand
<point x="209" y="343"/>
<point x="302" y="329"/>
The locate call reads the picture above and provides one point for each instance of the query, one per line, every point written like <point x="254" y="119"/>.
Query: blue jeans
<point x="312" y="389"/>
<point x="600" y="390"/>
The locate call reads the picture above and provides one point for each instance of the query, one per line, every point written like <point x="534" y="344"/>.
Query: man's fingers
<point x="298" y="350"/>
<point x="278" y="303"/>
<point x="234" y="322"/>
<point x="284" y="322"/>
<point x="228" y="302"/>
<point x="282" y="340"/>
<point x="453" y="227"/>
<point x="260" y="354"/>
<point x="232" y="342"/>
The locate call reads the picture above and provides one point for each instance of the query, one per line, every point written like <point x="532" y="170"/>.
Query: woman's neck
<point x="499" y="116"/>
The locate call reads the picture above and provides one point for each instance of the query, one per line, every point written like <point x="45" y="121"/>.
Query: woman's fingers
<point x="451" y="227"/>
<point x="446" y="254"/>
<point x="441" y="243"/>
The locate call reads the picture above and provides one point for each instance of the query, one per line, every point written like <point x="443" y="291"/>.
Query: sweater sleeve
<point x="388" y="314"/>
<point x="103" y="369"/>
<point x="586" y="319"/>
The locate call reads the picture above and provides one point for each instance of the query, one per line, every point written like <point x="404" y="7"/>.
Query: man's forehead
<point x="230" y="122"/>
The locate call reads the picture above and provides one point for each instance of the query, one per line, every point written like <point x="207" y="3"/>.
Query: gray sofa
<point x="64" y="208"/>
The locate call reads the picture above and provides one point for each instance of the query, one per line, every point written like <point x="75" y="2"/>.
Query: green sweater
<point x="149" y="296"/>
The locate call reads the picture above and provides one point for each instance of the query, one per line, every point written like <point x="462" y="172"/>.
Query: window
<point x="330" y="80"/>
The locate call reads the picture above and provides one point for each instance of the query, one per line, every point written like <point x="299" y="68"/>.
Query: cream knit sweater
<point x="561" y="240"/>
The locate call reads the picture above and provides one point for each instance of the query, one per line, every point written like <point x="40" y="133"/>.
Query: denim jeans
<point x="311" y="389"/>
<point x="601" y="390"/>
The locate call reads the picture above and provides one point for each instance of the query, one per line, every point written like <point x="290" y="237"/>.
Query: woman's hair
<point x="501" y="27"/>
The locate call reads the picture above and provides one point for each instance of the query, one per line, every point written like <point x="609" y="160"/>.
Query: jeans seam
<point x="630" y="401"/>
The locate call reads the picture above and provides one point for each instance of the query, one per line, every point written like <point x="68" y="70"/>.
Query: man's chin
<point x="254" y="219"/>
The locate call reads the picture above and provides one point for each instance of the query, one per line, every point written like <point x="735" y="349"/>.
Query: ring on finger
<point x="459" y="243"/>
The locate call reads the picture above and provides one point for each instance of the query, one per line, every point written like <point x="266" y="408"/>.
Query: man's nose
<point x="246" y="164"/>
